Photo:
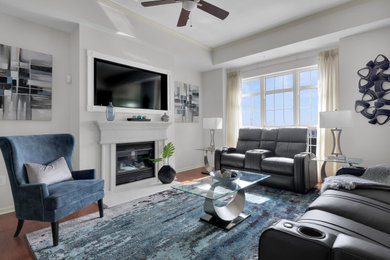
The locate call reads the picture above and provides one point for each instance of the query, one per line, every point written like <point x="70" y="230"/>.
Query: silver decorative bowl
<point x="224" y="179"/>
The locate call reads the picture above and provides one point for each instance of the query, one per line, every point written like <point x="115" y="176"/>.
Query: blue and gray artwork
<point x="25" y="84"/>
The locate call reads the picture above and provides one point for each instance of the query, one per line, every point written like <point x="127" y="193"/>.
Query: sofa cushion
<point x="279" y="165"/>
<point x="248" y="139"/>
<point x="235" y="160"/>
<point x="268" y="139"/>
<point x="290" y="142"/>
<point x="67" y="192"/>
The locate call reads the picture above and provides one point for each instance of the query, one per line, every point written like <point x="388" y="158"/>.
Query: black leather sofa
<point x="280" y="153"/>
<point x="340" y="224"/>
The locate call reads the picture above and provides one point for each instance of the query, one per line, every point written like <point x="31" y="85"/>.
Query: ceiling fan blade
<point x="184" y="15"/>
<point x="212" y="9"/>
<point x="159" y="2"/>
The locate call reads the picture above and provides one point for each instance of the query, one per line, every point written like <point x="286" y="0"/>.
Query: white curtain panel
<point x="233" y="98"/>
<point x="329" y="100"/>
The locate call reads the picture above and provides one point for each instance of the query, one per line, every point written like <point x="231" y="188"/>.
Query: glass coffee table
<point x="224" y="201"/>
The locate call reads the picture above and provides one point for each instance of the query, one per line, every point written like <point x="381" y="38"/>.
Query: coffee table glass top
<point x="220" y="189"/>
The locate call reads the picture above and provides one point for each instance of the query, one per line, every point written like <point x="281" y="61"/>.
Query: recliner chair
<point x="279" y="152"/>
<point x="48" y="203"/>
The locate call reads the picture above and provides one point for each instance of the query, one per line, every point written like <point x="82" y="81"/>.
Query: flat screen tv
<point x="129" y="87"/>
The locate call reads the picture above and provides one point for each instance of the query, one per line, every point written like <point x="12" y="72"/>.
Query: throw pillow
<point x="54" y="172"/>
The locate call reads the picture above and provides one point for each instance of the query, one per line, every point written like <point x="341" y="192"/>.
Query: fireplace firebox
<point x="132" y="162"/>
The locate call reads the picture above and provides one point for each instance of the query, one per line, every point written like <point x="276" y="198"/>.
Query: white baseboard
<point x="190" y="168"/>
<point x="7" y="210"/>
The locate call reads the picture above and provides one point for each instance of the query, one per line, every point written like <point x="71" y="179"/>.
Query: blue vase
<point x="110" y="113"/>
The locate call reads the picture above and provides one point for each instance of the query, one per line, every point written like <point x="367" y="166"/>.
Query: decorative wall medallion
<point x="374" y="84"/>
<point x="25" y="84"/>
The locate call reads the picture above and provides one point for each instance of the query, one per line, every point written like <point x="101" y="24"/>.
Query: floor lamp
<point x="211" y="123"/>
<point x="336" y="120"/>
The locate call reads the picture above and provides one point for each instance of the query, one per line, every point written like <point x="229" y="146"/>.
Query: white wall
<point x="363" y="140"/>
<point x="20" y="33"/>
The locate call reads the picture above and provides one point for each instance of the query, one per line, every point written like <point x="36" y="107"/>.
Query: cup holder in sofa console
<point x="311" y="232"/>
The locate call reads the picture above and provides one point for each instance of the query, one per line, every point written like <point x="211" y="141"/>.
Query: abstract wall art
<point x="25" y="84"/>
<point x="186" y="102"/>
<point x="374" y="85"/>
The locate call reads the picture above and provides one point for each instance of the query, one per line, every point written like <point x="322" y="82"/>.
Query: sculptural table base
<point x="227" y="225"/>
<point x="227" y="216"/>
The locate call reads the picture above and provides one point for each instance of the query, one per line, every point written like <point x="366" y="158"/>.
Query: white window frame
<point x="295" y="89"/>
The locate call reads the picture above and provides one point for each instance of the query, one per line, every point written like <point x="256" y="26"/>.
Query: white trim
<point x="7" y="210"/>
<point x="90" y="75"/>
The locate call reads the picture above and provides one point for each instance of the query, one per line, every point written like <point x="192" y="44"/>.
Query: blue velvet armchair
<point x="41" y="202"/>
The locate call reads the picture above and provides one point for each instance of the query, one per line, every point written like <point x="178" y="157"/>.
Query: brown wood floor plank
<point x="17" y="248"/>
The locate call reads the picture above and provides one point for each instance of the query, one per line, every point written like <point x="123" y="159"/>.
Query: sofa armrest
<point x="351" y="248"/>
<point x="254" y="157"/>
<point x="218" y="153"/>
<point x="84" y="174"/>
<point x="305" y="172"/>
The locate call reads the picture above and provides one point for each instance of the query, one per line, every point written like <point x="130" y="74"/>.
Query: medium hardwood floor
<point x="17" y="248"/>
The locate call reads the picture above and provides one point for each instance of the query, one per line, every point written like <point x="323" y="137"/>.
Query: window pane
<point x="305" y="98"/>
<point x="279" y="101"/>
<point x="269" y="101"/>
<point x="314" y="77"/>
<point x="250" y="107"/>
<point x="254" y="86"/>
<point x="314" y="97"/>
<point x="269" y="84"/>
<point x="245" y="87"/>
<point x="279" y="82"/>
<point x="288" y="117"/>
<point x="279" y="119"/>
<point x="314" y="116"/>
<point x="305" y="116"/>
<point x="270" y="118"/>
<point x="288" y="100"/>
<point x="288" y="81"/>
<point x="304" y="78"/>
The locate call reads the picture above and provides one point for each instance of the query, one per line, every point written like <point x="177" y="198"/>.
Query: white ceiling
<point x="247" y="17"/>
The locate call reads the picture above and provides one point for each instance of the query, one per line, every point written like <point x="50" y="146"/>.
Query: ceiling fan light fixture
<point x="190" y="5"/>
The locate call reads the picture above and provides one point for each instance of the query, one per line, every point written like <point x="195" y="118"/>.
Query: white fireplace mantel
<point x="115" y="132"/>
<point x="118" y="132"/>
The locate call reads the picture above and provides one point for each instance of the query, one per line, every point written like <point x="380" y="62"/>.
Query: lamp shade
<point x="336" y="119"/>
<point x="212" y="123"/>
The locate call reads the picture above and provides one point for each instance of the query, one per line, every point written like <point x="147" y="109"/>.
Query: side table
<point x="347" y="160"/>
<point x="206" y="160"/>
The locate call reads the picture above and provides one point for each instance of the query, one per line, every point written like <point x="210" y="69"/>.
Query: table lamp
<point x="212" y="123"/>
<point x="336" y="120"/>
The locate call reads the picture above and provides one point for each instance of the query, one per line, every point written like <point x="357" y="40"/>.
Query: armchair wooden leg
<point x="19" y="228"/>
<point x="100" y="204"/>
<point x="54" y="231"/>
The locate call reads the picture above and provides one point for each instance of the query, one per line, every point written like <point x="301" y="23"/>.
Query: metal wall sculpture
<point x="374" y="84"/>
<point x="25" y="84"/>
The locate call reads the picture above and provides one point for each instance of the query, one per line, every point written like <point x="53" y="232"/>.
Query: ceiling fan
<point x="188" y="6"/>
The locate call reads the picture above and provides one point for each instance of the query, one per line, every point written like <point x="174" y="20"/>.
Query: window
<point x="281" y="99"/>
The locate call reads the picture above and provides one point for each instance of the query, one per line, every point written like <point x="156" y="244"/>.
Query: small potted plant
<point x="166" y="174"/>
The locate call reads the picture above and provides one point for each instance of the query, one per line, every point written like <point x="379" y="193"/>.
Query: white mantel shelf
<point x="127" y="131"/>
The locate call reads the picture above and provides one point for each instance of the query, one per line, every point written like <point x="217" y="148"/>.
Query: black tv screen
<point x="129" y="87"/>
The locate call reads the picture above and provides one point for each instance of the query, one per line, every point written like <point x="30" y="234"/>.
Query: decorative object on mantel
<point x="374" y="84"/>
<point x="166" y="174"/>
<point x="336" y="120"/>
<point x="26" y="84"/>
<point x="165" y="117"/>
<point x="138" y="118"/>
<point x="110" y="113"/>
<point x="186" y="102"/>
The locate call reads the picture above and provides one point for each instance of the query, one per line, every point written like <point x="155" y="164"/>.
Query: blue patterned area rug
<point x="166" y="225"/>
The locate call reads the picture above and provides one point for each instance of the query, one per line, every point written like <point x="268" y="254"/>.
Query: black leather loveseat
<point x="280" y="153"/>
<point x="338" y="225"/>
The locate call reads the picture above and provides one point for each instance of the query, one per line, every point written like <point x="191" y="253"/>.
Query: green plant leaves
<point x="168" y="150"/>
<point x="156" y="160"/>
